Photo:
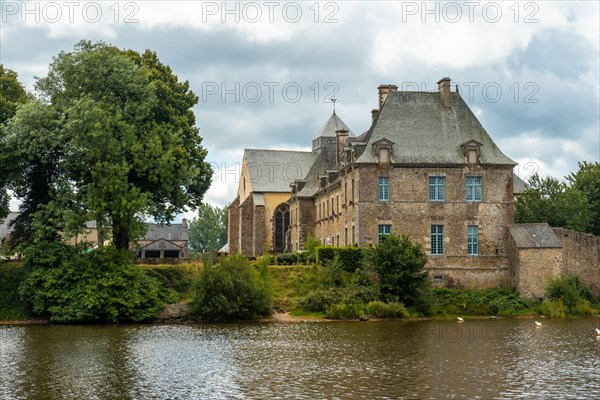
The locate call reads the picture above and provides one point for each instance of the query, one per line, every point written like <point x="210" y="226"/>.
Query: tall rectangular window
<point x="437" y="239"/>
<point x="384" y="188"/>
<point x="383" y="230"/>
<point x="437" y="188"/>
<point x="352" y="188"/>
<point x="353" y="237"/>
<point x="346" y="237"/>
<point x="474" y="188"/>
<point x="473" y="240"/>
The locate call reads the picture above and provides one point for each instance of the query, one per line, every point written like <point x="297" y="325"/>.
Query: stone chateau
<point x="426" y="167"/>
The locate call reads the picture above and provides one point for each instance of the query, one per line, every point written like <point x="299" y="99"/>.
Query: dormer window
<point x="472" y="151"/>
<point x="383" y="150"/>
<point x="384" y="155"/>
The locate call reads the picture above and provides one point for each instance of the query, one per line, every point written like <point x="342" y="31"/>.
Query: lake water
<point x="504" y="359"/>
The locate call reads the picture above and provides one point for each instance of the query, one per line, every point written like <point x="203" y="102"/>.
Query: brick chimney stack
<point x="444" y="89"/>
<point x="384" y="90"/>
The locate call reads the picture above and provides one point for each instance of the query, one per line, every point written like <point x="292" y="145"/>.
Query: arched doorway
<point x="281" y="223"/>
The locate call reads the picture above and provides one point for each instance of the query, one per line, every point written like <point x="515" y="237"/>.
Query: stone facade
<point x="581" y="256"/>
<point x="426" y="167"/>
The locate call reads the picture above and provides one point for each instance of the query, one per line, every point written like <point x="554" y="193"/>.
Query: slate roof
<point x="519" y="184"/>
<point x="168" y="232"/>
<point x="161" y="244"/>
<point x="333" y="124"/>
<point x="274" y="170"/>
<point x="424" y="132"/>
<point x="534" y="236"/>
<point x="325" y="161"/>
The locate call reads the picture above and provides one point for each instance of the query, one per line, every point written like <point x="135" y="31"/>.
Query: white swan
<point x="538" y="324"/>
<point x="460" y="319"/>
<point x="597" y="332"/>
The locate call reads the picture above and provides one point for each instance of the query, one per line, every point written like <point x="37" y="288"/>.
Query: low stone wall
<point x="581" y="256"/>
<point x="469" y="278"/>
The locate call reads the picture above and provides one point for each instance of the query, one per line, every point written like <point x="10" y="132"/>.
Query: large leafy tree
<point x="554" y="202"/>
<point x="208" y="232"/>
<point x="587" y="181"/>
<point x="123" y="142"/>
<point x="400" y="267"/>
<point x="12" y="95"/>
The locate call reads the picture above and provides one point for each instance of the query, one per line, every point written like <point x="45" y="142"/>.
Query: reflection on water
<point x="483" y="359"/>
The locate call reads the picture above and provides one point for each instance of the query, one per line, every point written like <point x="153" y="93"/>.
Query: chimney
<point x="184" y="223"/>
<point x="374" y="114"/>
<point x="341" y="141"/>
<point x="444" y="89"/>
<point x="384" y="90"/>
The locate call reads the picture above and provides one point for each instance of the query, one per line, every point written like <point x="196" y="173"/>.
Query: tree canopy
<point x="112" y="139"/>
<point x="12" y="95"/>
<point x="574" y="204"/>
<point x="208" y="232"/>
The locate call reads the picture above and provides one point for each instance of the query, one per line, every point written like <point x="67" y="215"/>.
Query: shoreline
<point x="287" y="318"/>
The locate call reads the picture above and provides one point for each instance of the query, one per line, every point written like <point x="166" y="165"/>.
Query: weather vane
<point x="334" y="100"/>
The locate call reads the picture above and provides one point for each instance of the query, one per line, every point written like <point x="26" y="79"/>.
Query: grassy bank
<point x="336" y="294"/>
<point x="310" y="290"/>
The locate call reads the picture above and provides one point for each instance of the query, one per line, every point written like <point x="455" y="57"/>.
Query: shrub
<point x="570" y="289"/>
<point x="11" y="305"/>
<point x="322" y="300"/>
<point x="351" y="257"/>
<point x="583" y="308"/>
<point x="553" y="309"/>
<point x="233" y="289"/>
<point x="494" y="301"/>
<point x="378" y="309"/>
<point x="70" y="284"/>
<point x="345" y="311"/>
<point x="324" y="254"/>
<point x="287" y="259"/>
<point x="171" y="277"/>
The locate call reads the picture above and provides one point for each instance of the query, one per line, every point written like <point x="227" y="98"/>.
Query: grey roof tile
<point x="274" y="170"/>
<point x="424" y="132"/>
<point x="534" y="236"/>
<point x="333" y="124"/>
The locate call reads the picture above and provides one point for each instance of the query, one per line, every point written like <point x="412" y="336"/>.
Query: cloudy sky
<point x="265" y="71"/>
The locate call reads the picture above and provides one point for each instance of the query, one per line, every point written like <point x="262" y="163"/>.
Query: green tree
<point x="126" y="147"/>
<point x="208" y="232"/>
<point x="554" y="202"/>
<point x="12" y="94"/>
<point x="587" y="181"/>
<point x="399" y="264"/>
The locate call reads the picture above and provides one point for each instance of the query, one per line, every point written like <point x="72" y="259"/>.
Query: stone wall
<point x="233" y="226"/>
<point x="536" y="266"/>
<point x="581" y="256"/>
<point x="259" y="231"/>
<point x="246" y="227"/>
